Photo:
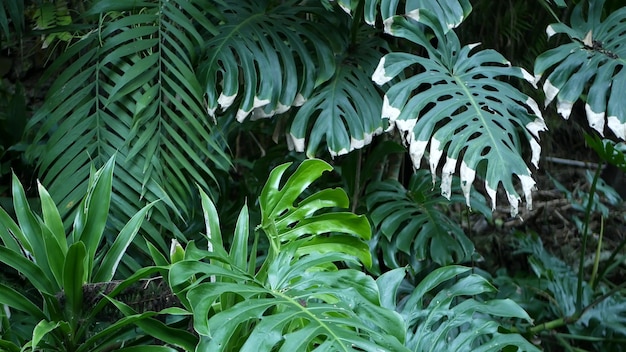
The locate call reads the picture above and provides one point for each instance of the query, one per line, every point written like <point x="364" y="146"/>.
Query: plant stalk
<point x="583" y="249"/>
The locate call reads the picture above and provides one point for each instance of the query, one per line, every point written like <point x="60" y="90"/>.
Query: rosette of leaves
<point x="413" y="224"/>
<point x="50" y="310"/>
<point x="459" y="104"/>
<point x="298" y="298"/>
<point x="590" y="65"/>
<point x="446" y="312"/>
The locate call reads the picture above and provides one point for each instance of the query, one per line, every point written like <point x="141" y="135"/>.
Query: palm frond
<point x="128" y="88"/>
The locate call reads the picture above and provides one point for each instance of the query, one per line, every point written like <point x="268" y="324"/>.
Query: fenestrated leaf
<point x="461" y="109"/>
<point x="449" y="12"/>
<point x="443" y="317"/>
<point x="414" y="222"/>
<point x="333" y="307"/>
<point x="280" y="54"/>
<point x="343" y="111"/>
<point x="285" y="219"/>
<point x="590" y="65"/>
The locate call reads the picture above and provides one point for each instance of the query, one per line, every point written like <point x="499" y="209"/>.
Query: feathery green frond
<point x="129" y="87"/>
<point x="459" y="106"/>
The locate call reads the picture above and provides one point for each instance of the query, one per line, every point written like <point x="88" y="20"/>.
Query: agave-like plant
<point x="60" y="267"/>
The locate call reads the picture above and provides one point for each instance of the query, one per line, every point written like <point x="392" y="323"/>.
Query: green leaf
<point x="337" y="308"/>
<point x="344" y="111"/>
<point x="239" y="247"/>
<point x="113" y="256"/>
<point x="74" y="277"/>
<point x="449" y="12"/>
<point x="590" y="65"/>
<point x="285" y="219"/>
<point x="280" y="53"/>
<point x="41" y="330"/>
<point x="461" y="108"/>
<point x="93" y="211"/>
<point x="129" y="88"/>
<point x="30" y="270"/>
<point x="158" y="330"/>
<point x="52" y="219"/>
<point x="440" y="317"/>
<point x="16" y="300"/>
<point x="414" y="222"/>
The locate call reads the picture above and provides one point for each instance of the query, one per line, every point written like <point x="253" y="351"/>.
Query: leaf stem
<point x="583" y="249"/>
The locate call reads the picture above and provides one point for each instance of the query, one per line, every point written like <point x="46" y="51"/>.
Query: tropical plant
<point x="56" y="308"/>
<point x="562" y="318"/>
<point x="413" y="225"/>
<point x="301" y="296"/>
<point x="589" y="66"/>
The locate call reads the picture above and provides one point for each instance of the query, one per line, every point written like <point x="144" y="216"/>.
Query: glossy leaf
<point x="590" y="65"/>
<point x="449" y="12"/>
<point x="415" y="225"/>
<point x="445" y="320"/>
<point x="266" y="57"/>
<point x="460" y="107"/>
<point x="75" y="275"/>
<point x="285" y="218"/>
<point x="108" y="266"/>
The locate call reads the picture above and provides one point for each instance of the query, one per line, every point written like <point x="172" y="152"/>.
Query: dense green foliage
<point x="154" y="123"/>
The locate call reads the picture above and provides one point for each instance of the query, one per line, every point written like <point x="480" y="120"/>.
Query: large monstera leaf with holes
<point x="265" y="59"/>
<point x="449" y="12"/>
<point x="460" y="107"/>
<point x="345" y="110"/>
<point x="592" y="63"/>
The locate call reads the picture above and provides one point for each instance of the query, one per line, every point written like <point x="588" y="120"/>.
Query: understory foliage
<point x="174" y="114"/>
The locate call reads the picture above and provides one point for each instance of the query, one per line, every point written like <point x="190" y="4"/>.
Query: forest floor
<point x="558" y="213"/>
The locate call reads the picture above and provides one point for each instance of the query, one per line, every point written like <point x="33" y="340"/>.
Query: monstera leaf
<point x="297" y="299"/>
<point x="460" y="107"/>
<point x="271" y="58"/>
<point x="344" y="111"/>
<point x="287" y="218"/>
<point x="450" y="12"/>
<point x="414" y="224"/>
<point x="592" y="64"/>
<point x="129" y="87"/>
<point x="445" y="319"/>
